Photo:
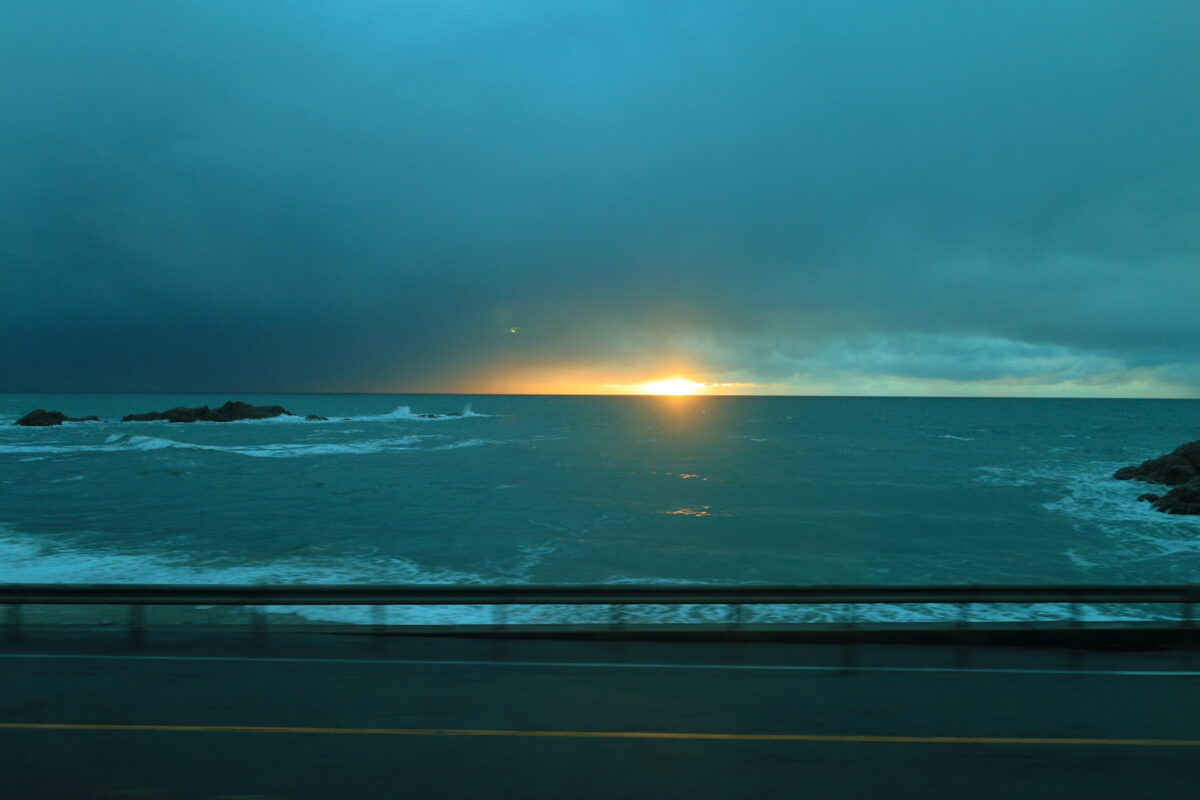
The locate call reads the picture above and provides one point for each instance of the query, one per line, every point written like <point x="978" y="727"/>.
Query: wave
<point x="402" y="413"/>
<point x="119" y="442"/>
<point x="1003" y="476"/>
<point x="407" y="414"/>
<point x="26" y="558"/>
<point x="1129" y="531"/>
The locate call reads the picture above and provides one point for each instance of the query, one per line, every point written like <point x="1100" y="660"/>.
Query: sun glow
<point x="676" y="386"/>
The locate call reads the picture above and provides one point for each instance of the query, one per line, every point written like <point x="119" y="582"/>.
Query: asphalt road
<point x="320" y="716"/>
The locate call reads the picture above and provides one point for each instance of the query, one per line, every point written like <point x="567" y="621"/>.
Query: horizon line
<point x="610" y="394"/>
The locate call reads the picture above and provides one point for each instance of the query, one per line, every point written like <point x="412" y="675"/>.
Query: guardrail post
<point x="849" y="616"/>
<point x="499" y="615"/>
<point x="137" y="624"/>
<point x="13" y="622"/>
<point x="258" y="623"/>
<point x="616" y="616"/>
<point x="735" y="615"/>
<point x="379" y="618"/>
<point x="962" y="653"/>
<point x="849" y="655"/>
<point x="1187" y="614"/>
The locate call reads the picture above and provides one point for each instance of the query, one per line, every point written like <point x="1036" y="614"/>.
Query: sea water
<point x="589" y="490"/>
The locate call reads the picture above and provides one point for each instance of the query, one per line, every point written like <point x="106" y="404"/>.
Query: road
<point x="193" y="715"/>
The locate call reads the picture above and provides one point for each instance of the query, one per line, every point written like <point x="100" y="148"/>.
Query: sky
<point x="860" y="197"/>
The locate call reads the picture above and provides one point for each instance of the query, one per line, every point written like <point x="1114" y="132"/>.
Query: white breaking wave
<point x="1093" y="496"/>
<point x="1133" y="531"/>
<point x="25" y="558"/>
<point x="118" y="442"/>
<point x="407" y="414"/>
<point x="466" y="443"/>
<point x="1002" y="476"/>
<point x="404" y="413"/>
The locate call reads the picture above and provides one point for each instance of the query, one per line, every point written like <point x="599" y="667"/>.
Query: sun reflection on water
<point x="701" y="511"/>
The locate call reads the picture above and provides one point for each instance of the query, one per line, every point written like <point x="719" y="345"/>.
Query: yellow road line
<point x="743" y="737"/>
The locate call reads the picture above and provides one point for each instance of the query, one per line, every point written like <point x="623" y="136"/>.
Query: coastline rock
<point x="234" y="410"/>
<point x="40" y="417"/>
<point x="179" y="414"/>
<point x="1174" y="469"/>
<point x="230" y="412"/>
<point x="316" y="418"/>
<point x="1181" y="469"/>
<point x="1148" y="497"/>
<point x="1183" y="499"/>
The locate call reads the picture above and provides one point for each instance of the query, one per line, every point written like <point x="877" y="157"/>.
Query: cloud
<point x="297" y="196"/>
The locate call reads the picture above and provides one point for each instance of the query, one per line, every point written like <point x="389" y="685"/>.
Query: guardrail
<point x="607" y="594"/>
<point x="617" y="596"/>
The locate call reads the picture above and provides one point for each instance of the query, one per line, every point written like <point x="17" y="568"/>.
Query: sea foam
<point x="135" y="443"/>
<point x="26" y="558"/>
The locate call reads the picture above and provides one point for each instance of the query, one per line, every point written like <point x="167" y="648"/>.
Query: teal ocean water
<point x="780" y="490"/>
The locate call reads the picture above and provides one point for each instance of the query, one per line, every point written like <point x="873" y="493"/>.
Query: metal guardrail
<point x="616" y="596"/>
<point x="608" y="594"/>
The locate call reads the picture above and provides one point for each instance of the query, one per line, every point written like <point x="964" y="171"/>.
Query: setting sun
<point x="672" y="386"/>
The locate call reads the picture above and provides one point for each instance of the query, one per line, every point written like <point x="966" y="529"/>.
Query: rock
<point x="40" y="417"/>
<point x="1183" y="499"/>
<point x="230" y="412"/>
<point x="235" y="410"/>
<point x="316" y="418"/>
<point x="1174" y="469"/>
<point x="1179" y="468"/>
<point x="428" y="416"/>
<point x="178" y="414"/>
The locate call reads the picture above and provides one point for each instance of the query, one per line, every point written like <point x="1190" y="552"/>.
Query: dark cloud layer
<point x="309" y="195"/>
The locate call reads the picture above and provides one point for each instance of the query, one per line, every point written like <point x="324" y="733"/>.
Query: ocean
<point x="584" y="490"/>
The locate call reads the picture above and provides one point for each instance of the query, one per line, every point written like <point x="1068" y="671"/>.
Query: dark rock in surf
<point x="1183" y="499"/>
<point x="1148" y="497"/>
<point x="178" y="414"/>
<point x="1179" y="468"/>
<point x="1174" y="469"/>
<point x="235" y="410"/>
<point x="316" y="418"/>
<point x="41" y="418"/>
<point x="230" y="412"/>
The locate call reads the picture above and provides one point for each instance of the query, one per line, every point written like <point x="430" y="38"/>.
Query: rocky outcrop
<point x="230" y="412"/>
<point x="1181" y="469"/>
<point x="1174" y="469"/>
<point x="1183" y="499"/>
<point x="40" y="417"/>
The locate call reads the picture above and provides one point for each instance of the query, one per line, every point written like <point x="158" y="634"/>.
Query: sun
<point x="676" y="386"/>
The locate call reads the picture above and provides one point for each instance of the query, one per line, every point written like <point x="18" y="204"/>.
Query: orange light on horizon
<point x="671" y="386"/>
